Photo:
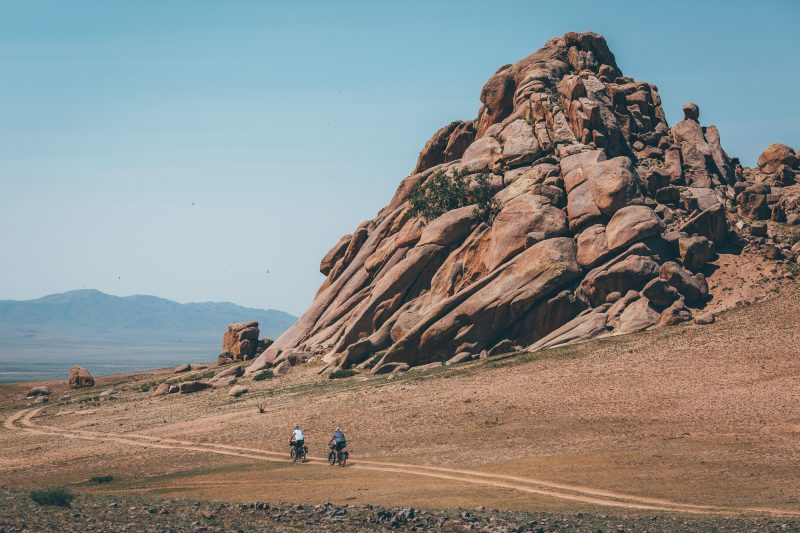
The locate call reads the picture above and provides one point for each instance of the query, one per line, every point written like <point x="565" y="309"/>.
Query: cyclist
<point x="297" y="440"/>
<point x="339" y="440"/>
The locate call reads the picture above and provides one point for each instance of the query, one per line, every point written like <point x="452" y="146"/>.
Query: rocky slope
<point x="606" y="218"/>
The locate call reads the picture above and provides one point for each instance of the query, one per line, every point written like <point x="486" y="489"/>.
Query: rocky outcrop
<point x="79" y="377"/>
<point x="241" y="341"/>
<point x="605" y="217"/>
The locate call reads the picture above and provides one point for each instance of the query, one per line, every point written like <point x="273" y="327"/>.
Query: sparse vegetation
<point x="101" y="479"/>
<point x="342" y="373"/>
<point x="264" y="374"/>
<point x="374" y="360"/>
<point x="58" y="497"/>
<point x="261" y="408"/>
<point x="444" y="192"/>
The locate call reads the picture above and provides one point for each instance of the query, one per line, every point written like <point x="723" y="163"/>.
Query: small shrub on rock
<point x="342" y="373"/>
<point x="264" y="374"/>
<point x="444" y="192"/>
<point x="57" y="497"/>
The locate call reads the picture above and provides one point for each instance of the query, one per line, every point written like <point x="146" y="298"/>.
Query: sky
<point x="204" y="151"/>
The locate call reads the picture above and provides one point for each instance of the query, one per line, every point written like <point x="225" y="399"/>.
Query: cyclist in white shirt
<point x="298" y="439"/>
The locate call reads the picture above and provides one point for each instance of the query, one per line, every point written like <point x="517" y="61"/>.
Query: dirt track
<point x="688" y="420"/>
<point x="21" y="421"/>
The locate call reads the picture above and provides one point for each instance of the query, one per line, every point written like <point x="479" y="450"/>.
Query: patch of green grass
<point x="194" y="376"/>
<point x="342" y="373"/>
<point x="57" y="497"/>
<point x="264" y="374"/>
<point x="101" y="479"/>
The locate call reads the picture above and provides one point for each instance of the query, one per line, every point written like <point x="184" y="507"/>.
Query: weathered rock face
<point x="605" y="218"/>
<point x="79" y="378"/>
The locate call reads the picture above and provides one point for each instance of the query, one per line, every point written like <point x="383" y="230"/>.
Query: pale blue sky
<point x="287" y="125"/>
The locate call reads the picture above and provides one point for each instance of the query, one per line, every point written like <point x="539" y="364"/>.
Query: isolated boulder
<point x="42" y="390"/>
<point x="188" y="387"/>
<point x="79" y="378"/>
<point x="182" y="368"/>
<point x="237" y="391"/>
<point x="235" y="371"/>
<point x="240" y="341"/>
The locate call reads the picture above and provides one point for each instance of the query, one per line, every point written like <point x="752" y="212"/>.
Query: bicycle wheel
<point x="293" y="454"/>
<point x="332" y="458"/>
<point x="343" y="458"/>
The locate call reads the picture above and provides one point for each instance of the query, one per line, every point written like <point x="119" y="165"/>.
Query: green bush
<point x="342" y="373"/>
<point x="58" y="497"/>
<point x="442" y="193"/>
<point x="264" y="374"/>
<point x="101" y="479"/>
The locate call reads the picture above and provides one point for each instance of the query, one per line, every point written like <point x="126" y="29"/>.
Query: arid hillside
<point x="692" y="420"/>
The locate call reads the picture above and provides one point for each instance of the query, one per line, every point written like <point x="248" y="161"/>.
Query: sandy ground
<point x="693" y="419"/>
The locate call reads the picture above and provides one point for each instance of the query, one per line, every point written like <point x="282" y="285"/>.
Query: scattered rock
<point x="237" y="391"/>
<point x="79" y="378"/>
<point x="183" y="368"/>
<point x="704" y="319"/>
<point x="162" y="389"/>
<point x="188" y="387"/>
<point x="42" y="390"/>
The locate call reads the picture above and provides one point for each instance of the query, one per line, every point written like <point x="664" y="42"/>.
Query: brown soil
<point x="692" y="419"/>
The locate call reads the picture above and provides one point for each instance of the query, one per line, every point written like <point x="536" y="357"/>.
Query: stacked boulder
<point x="769" y="191"/>
<point x="606" y="218"/>
<point x="241" y="343"/>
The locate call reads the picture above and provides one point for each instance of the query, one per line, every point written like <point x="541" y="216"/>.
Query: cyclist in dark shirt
<point x="339" y="440"/>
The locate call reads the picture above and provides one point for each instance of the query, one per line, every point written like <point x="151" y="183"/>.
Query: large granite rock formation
<point x="605" y="218"/>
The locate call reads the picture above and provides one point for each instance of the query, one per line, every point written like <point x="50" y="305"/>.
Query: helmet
<point x="337" y="429"/>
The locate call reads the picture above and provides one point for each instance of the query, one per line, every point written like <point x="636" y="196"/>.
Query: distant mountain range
<point x="132" y="332"/>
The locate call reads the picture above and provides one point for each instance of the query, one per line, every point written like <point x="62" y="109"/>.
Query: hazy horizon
<point x="209" y="152"/>
<point x="135" y="295"/>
